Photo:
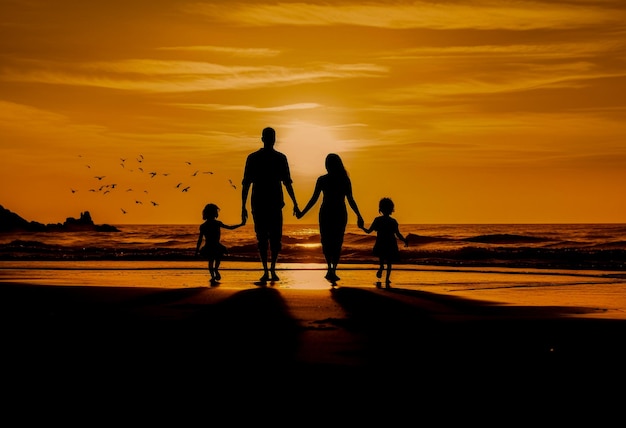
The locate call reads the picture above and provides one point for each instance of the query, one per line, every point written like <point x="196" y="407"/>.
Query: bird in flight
<point x="232" y="184"/>
<point x="154" y="204"/>
<point x="123" y="210"/>
<point x="186" y="189"/>
<point x="100" y="177"/>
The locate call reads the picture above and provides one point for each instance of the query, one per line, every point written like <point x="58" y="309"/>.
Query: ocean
<point x="552" y="246"/>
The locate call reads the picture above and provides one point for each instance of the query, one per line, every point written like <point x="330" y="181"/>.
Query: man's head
<point x="268" y="137"/>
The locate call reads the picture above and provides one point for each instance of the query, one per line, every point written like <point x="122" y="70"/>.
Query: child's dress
<point x="386" y="245"/>
<point x="212" y="248"/>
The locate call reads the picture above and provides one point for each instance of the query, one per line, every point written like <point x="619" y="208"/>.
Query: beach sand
<point x="302" y="344"/>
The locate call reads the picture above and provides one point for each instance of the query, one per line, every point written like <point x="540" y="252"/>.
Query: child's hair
<point x="385" y="206"/>
<point x="210" y="211"/>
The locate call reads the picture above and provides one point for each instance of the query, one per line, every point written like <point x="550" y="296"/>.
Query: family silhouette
<point x="265" y="174"/>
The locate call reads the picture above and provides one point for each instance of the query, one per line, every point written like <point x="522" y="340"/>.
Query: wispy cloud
<point x="550" y="51"/>
<point x="186" y="76"/>
<point x="521" y="77"/>
<point x="483" y="15"/>
<point x="215" y="107"/>
<point x="236" y="52"/>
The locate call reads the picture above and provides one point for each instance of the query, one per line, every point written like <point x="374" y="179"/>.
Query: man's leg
<point x="275" y="238"/>
<point x="260" y="227"/>
<point x="262" y="244"/>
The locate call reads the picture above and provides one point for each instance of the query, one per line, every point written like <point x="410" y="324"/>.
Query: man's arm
<point x="292" y="195"/>
<point x="245" y="188"/>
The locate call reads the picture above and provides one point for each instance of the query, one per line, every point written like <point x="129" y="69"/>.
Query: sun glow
<point x="306" y="145"/>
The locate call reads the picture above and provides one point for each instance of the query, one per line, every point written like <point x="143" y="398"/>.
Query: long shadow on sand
<point x="409" y="328"/>
<point x="148" y="340"/>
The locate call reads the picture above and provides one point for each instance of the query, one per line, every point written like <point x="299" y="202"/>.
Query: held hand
<point x="299" y="214"/>
<point x="360" y="222"/>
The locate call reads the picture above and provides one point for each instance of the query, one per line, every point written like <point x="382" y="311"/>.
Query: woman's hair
<point x="210" y="211"/>
<point x="385" y="206"/>
<point x="334" y="165"/>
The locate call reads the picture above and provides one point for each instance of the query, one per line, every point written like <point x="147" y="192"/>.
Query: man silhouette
<point x="266" y="171"/>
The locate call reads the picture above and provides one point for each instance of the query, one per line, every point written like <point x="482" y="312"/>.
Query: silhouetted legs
<point x="269" y="230"/>
<point x="217" y="272"/>
<point x="388" y="275"/>
<point x="269" y="270"/>
<point x="263" y="255"/>
<point x="212" y="271"/>
<point x="332" y="260"/>
<point x="332" y="242"/>
<point x="381" y="268"/>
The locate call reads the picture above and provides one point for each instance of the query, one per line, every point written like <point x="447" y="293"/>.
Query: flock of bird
<point x="105" y="186"/>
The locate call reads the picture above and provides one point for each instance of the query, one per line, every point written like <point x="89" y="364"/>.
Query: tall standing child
<point x="387" y="233"/>
<point x="210" y="231"/>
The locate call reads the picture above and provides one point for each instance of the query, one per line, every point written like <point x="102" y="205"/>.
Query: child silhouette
<point x="386" y="245"/>
<point x="210" y="231"/>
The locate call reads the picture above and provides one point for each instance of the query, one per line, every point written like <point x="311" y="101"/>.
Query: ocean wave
<point x="506" y="238"/>
<point x="505" y="256"/>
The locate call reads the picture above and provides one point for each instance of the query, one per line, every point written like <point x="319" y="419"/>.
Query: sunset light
<point x="463" y="112"/>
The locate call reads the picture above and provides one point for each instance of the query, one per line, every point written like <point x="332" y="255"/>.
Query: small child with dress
<point x="210" y="231"/>
<point x="387" y="233"/>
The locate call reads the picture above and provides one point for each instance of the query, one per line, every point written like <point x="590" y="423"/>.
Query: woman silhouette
<point x="333" y="215"/>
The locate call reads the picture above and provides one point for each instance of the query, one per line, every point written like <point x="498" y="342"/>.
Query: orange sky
<point x="461" y="112"/>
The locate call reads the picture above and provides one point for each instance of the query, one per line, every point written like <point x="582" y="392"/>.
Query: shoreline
<point x="599" y="294"/>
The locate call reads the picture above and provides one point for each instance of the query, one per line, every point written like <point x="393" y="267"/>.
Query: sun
<point x="306" y="146"/>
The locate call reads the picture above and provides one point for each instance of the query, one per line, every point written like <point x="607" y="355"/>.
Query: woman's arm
<point x="354" y="206"/>
<point x="316" y="194"/>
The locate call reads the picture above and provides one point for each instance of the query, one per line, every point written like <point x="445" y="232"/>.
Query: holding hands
<point x="299" y="213"/>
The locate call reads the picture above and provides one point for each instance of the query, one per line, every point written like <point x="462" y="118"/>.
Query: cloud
<point x="236" y="52"/>
<point x="527" y="52"/>
<point x="481" y="15"/>
<point x="214" y="107"/>
<point x="148" y="75"/>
